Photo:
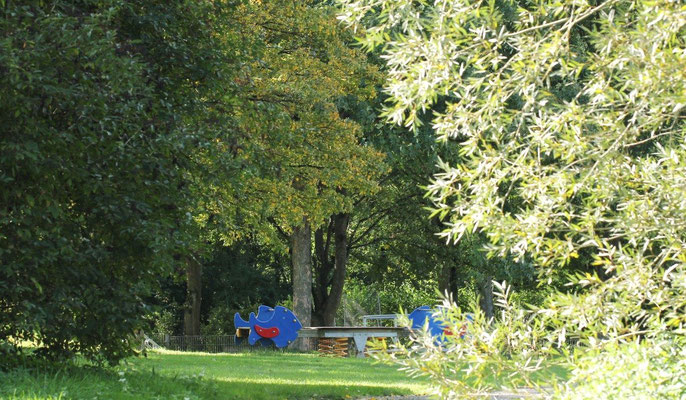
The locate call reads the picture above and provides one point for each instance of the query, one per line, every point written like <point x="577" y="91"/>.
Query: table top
<point x="358" y="328"/>
<point x="347" y="331"/>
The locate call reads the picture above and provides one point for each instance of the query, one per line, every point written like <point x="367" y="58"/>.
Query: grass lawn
<point x="255" y="375"/>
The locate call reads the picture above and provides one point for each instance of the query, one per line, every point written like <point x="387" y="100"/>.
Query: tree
<point x="570" y="119"/>
<point x="289" y="157"/>
<point x="304" y="159"/>
<point x="98" y="116"/>
<point x="393" y="240"/>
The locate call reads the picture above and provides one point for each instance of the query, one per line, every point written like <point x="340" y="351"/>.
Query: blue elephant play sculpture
<point x="277" y="324"/>
<point x="437" y="329"/>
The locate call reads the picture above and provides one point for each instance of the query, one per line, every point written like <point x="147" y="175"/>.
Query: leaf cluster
<point x="570" y="123"/>
<point x="98" y="100"/>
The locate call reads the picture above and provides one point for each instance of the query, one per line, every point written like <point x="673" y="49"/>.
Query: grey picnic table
<point x="360" y="334"/>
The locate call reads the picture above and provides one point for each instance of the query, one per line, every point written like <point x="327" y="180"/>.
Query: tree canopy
<point x="166" y="164"/>
<point x="141" y="134"/>
<point x="101" y="103"/>
<point x="569" y="117"/>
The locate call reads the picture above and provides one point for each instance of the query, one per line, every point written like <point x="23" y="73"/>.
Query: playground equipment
<point x="424" y="315"/>
<point x="378" y="318"/>
<point x="280" y="326"/>
<point x="277" y="324"/>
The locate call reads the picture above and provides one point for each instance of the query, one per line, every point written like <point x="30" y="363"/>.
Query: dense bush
<point x="96" y="104"/>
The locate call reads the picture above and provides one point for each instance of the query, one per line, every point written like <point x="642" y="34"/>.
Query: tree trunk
<point x="301" y="258"/>
<point x="330" y="270"/>
<point x="341" y="257"/>
<point x="485" y="287"/>
<point x="191" y="315"/>
<point x="446" y="281"/>
<point x="323" y="266"/>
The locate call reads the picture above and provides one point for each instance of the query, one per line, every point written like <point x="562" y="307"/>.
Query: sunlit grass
<point x="176" y="375"/>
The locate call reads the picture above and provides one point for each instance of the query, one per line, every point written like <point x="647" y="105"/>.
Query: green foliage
<point x="239" y="278"/>
<point x="481" y="355"/>
<point x="303" y="154"/>
<point x="96" y="107"/>
<point x="361" y="298"/>
<point x="570" y="123"/>
<point x="236" y="278"/>
<point x="163" y="322"/>
<point x="392" y="238"/>
<point x="614" y="372"/>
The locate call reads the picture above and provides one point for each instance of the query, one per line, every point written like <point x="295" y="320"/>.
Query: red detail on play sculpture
<point x="267" y="332"/>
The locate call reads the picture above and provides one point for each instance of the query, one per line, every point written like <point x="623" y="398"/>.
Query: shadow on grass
<point x="83" y="382"/>
<point x="300" y="390"/>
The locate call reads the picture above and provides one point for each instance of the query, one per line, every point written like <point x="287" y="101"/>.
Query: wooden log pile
<point x="333" y="346"/>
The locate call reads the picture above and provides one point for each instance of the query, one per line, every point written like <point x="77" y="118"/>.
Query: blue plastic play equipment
<point x="277" y="324"/>
<point x="424" y="315"/>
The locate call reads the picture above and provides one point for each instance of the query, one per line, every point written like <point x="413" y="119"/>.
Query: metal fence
<point x="209" y="344"/>
<point x="213" y="343"/>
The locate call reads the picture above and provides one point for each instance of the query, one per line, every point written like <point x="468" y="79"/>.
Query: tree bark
<point x="330" y="271"/>
<point x="341" y="261"/>
<point x="323" y="266"/>
<point x="191" y="315"/>
<point x="301" y="258"/>
<point x="485" y="287"/>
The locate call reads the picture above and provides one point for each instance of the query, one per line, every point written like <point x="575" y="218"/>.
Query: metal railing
<point x="379" y="318"/>
<point x="209" y="344"/>
<point x="214" y="343"/>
